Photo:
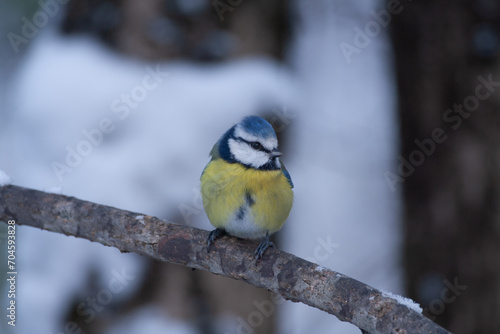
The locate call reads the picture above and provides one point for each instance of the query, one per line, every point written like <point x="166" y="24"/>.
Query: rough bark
<point x="293" y="278"/>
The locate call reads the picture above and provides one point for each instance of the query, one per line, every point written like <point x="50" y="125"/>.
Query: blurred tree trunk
<point x="201" y="30"/>
<point x="446" y="55"/>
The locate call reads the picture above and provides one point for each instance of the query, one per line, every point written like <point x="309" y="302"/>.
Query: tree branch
<point x="293" y="278"/>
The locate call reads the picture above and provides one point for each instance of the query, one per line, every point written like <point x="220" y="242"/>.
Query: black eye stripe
<point x="255" y="145"/>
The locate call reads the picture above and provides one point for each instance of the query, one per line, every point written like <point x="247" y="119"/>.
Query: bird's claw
<point x="261" y="249"/>
<point x="213" y="235"/>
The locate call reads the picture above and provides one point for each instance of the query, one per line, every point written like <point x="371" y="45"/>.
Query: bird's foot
<point x="212" y="236"/>
<point x="261" y="249"/>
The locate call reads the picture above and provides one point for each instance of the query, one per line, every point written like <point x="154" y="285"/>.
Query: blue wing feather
<point x="287" y="175"/>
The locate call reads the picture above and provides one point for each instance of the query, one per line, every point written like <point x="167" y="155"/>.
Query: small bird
<point x="246" y="190"/>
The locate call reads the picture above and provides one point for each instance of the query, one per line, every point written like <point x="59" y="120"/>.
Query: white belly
<point x="242" y="225"/>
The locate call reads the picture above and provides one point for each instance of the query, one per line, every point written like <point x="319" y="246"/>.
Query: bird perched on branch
<point x="246" y="190"/>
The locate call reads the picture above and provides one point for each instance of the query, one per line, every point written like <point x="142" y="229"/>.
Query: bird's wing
<point x="287" y="175"/>
<point x="214" y="154"/>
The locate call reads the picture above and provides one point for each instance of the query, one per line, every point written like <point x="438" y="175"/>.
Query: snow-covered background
<point x="158" y="121"/>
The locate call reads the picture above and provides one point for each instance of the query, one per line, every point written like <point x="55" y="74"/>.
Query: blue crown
<point x="258" y="127"/>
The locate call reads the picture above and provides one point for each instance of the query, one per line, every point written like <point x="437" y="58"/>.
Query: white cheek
<point x="246" y="155"/>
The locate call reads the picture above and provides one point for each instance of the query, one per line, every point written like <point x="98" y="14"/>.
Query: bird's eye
<point x="257" y="146"/>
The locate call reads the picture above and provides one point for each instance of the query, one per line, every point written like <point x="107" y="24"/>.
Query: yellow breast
<point x="229" y="189"/>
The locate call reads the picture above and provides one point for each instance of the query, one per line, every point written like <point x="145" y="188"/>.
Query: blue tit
<point x="246" y="190"/>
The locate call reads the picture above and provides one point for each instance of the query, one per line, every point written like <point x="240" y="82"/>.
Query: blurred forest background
<point x="387" y="113"/>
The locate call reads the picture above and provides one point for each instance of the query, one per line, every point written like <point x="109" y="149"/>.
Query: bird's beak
<point x="276" y="153"/>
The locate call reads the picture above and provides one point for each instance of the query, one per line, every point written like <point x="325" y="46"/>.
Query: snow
<point x="344" y="215"/>
<point x="53" y="190"/>
<point x="408" y="302"/>
<point x="54" y="270"/>
<point x="149" y="162"/>
<point x="4" y="179"/>
<point x="146" y="155"/>
<point x="151" y="320"/>
<point x="321" y="269"/>
<point x="140" y="218"/>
